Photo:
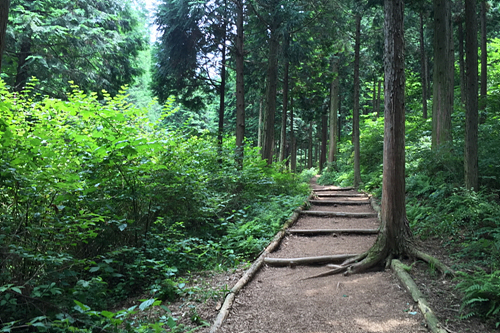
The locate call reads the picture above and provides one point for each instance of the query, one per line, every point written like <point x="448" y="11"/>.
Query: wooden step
<point x="337" y="195"/>
<point x="338" y="202"/>
<point x="332" y="231"/>
<point x="335" y="189"/>
<point x="307" y="260"/>
<point x="336" y="214"/>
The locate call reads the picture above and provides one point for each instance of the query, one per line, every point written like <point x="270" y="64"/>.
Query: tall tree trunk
<point x="259" y="128"/>
<point x="461" y="64"/>
<point x="378" y="97"/>
<point x="270" y="110"/>
<point x="293" y="154"/>
<point x="4" y="18"/>
<point x="340" y="117"/>
<point x="310" y="148"/>
<point x="443" y="81"/>
<point x="285" y="98"/>
<point x="393" y="213"/>
<point x="324" y="138"/>
<point x="423" y="64"/>
<point x="334" y="106"/>
<point x="22" y="74"/>
<point x="355" y="110"/>
<point x="240" y="85"/>
<point x="471" y="105"/>
<point x="222" y="93"/>
<point x="374" y="95"/>
<point x="484" y="59"/>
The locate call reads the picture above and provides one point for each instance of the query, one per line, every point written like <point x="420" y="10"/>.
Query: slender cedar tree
<point x="240" y="84"/>
<point x="4" y="18"/>
<point x="334" y="106"/>
<point x="355" y="109"/>
<point x="443" y="75"/>
<point x="471" y="102"/>
<point x="484" y="56"/>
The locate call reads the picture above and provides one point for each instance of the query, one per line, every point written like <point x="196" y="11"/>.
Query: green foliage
<point x="481" y="294"/>
<point x="93" y="43"/>
<point x="98" y="204"/>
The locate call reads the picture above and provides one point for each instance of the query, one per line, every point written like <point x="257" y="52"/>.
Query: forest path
<point x="278" y="299"/>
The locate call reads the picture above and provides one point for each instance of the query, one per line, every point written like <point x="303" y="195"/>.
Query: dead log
<point x="336" y="214"/>
<point x="332" y="231"/>
<point x="418" y="297"/>
<point x="307" y="260"/>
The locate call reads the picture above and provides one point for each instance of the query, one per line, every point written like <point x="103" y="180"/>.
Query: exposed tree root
<point x="445" y="270"/>
<point x="365" y="261"/>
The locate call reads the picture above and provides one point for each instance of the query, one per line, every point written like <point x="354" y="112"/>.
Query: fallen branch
<point x="332" y="231"/>
<point x="405" y="278"/>
<point x="307" y="260"/>
<point x="336" y="214"/>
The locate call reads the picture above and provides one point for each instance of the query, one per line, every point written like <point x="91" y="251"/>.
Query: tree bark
<point x="461" y="64"/>
<point x="270" y="110"/>
<point x="423" y="65"/>
<point x="310" y="148"/>
<point x="324" y="138"/>
<point x="22" y="74"/>
<point x="484" y="58"/>
<point x="4" y="18"/>
<point x="374" y="95"/>
<point x="394" y="225"/>
<point x="334" y="105"/>
<point x="355" y="110"/>
<point x="293" y="154"/>
<point x="222" y="92"/>
<point x="378" y="97"/>
<point x="259" y="128"/>
<point x="471" y="105"/>
<point x="240" y="85"/>
<point x="443" y="81"/>
<point x="285" y="99"/>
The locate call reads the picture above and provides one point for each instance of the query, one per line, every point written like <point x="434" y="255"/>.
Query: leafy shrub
<point x="98" y="204"/>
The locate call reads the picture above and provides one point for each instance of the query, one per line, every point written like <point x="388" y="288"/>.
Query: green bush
<point x="98" y="204"/>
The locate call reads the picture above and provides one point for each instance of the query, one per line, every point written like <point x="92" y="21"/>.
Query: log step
<point x="332" y="231"/>
<point x="335" y="202"/>
<point x="338" y="195"/>
<point x="307" y="260"/>
<point x="336" y="214"/>
<point x="335" y="189"/>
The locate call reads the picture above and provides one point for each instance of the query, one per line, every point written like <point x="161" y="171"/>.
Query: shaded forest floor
<point x="278" y="299"/>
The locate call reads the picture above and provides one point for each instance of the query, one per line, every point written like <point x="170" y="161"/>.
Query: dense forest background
<point x="127" y="162"/>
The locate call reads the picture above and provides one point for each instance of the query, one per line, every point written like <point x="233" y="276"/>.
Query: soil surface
<point x="281" y="300"/>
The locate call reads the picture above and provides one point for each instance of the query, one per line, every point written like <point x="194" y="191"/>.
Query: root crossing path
<point x="280" y="298"/>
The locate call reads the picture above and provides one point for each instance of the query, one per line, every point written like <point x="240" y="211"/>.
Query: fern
<point x="481" y="294"/>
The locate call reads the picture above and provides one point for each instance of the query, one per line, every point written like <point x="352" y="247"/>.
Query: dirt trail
<point x="279" y="300"/>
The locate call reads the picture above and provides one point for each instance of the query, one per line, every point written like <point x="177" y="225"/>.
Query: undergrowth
<point x="99" y="205"/>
